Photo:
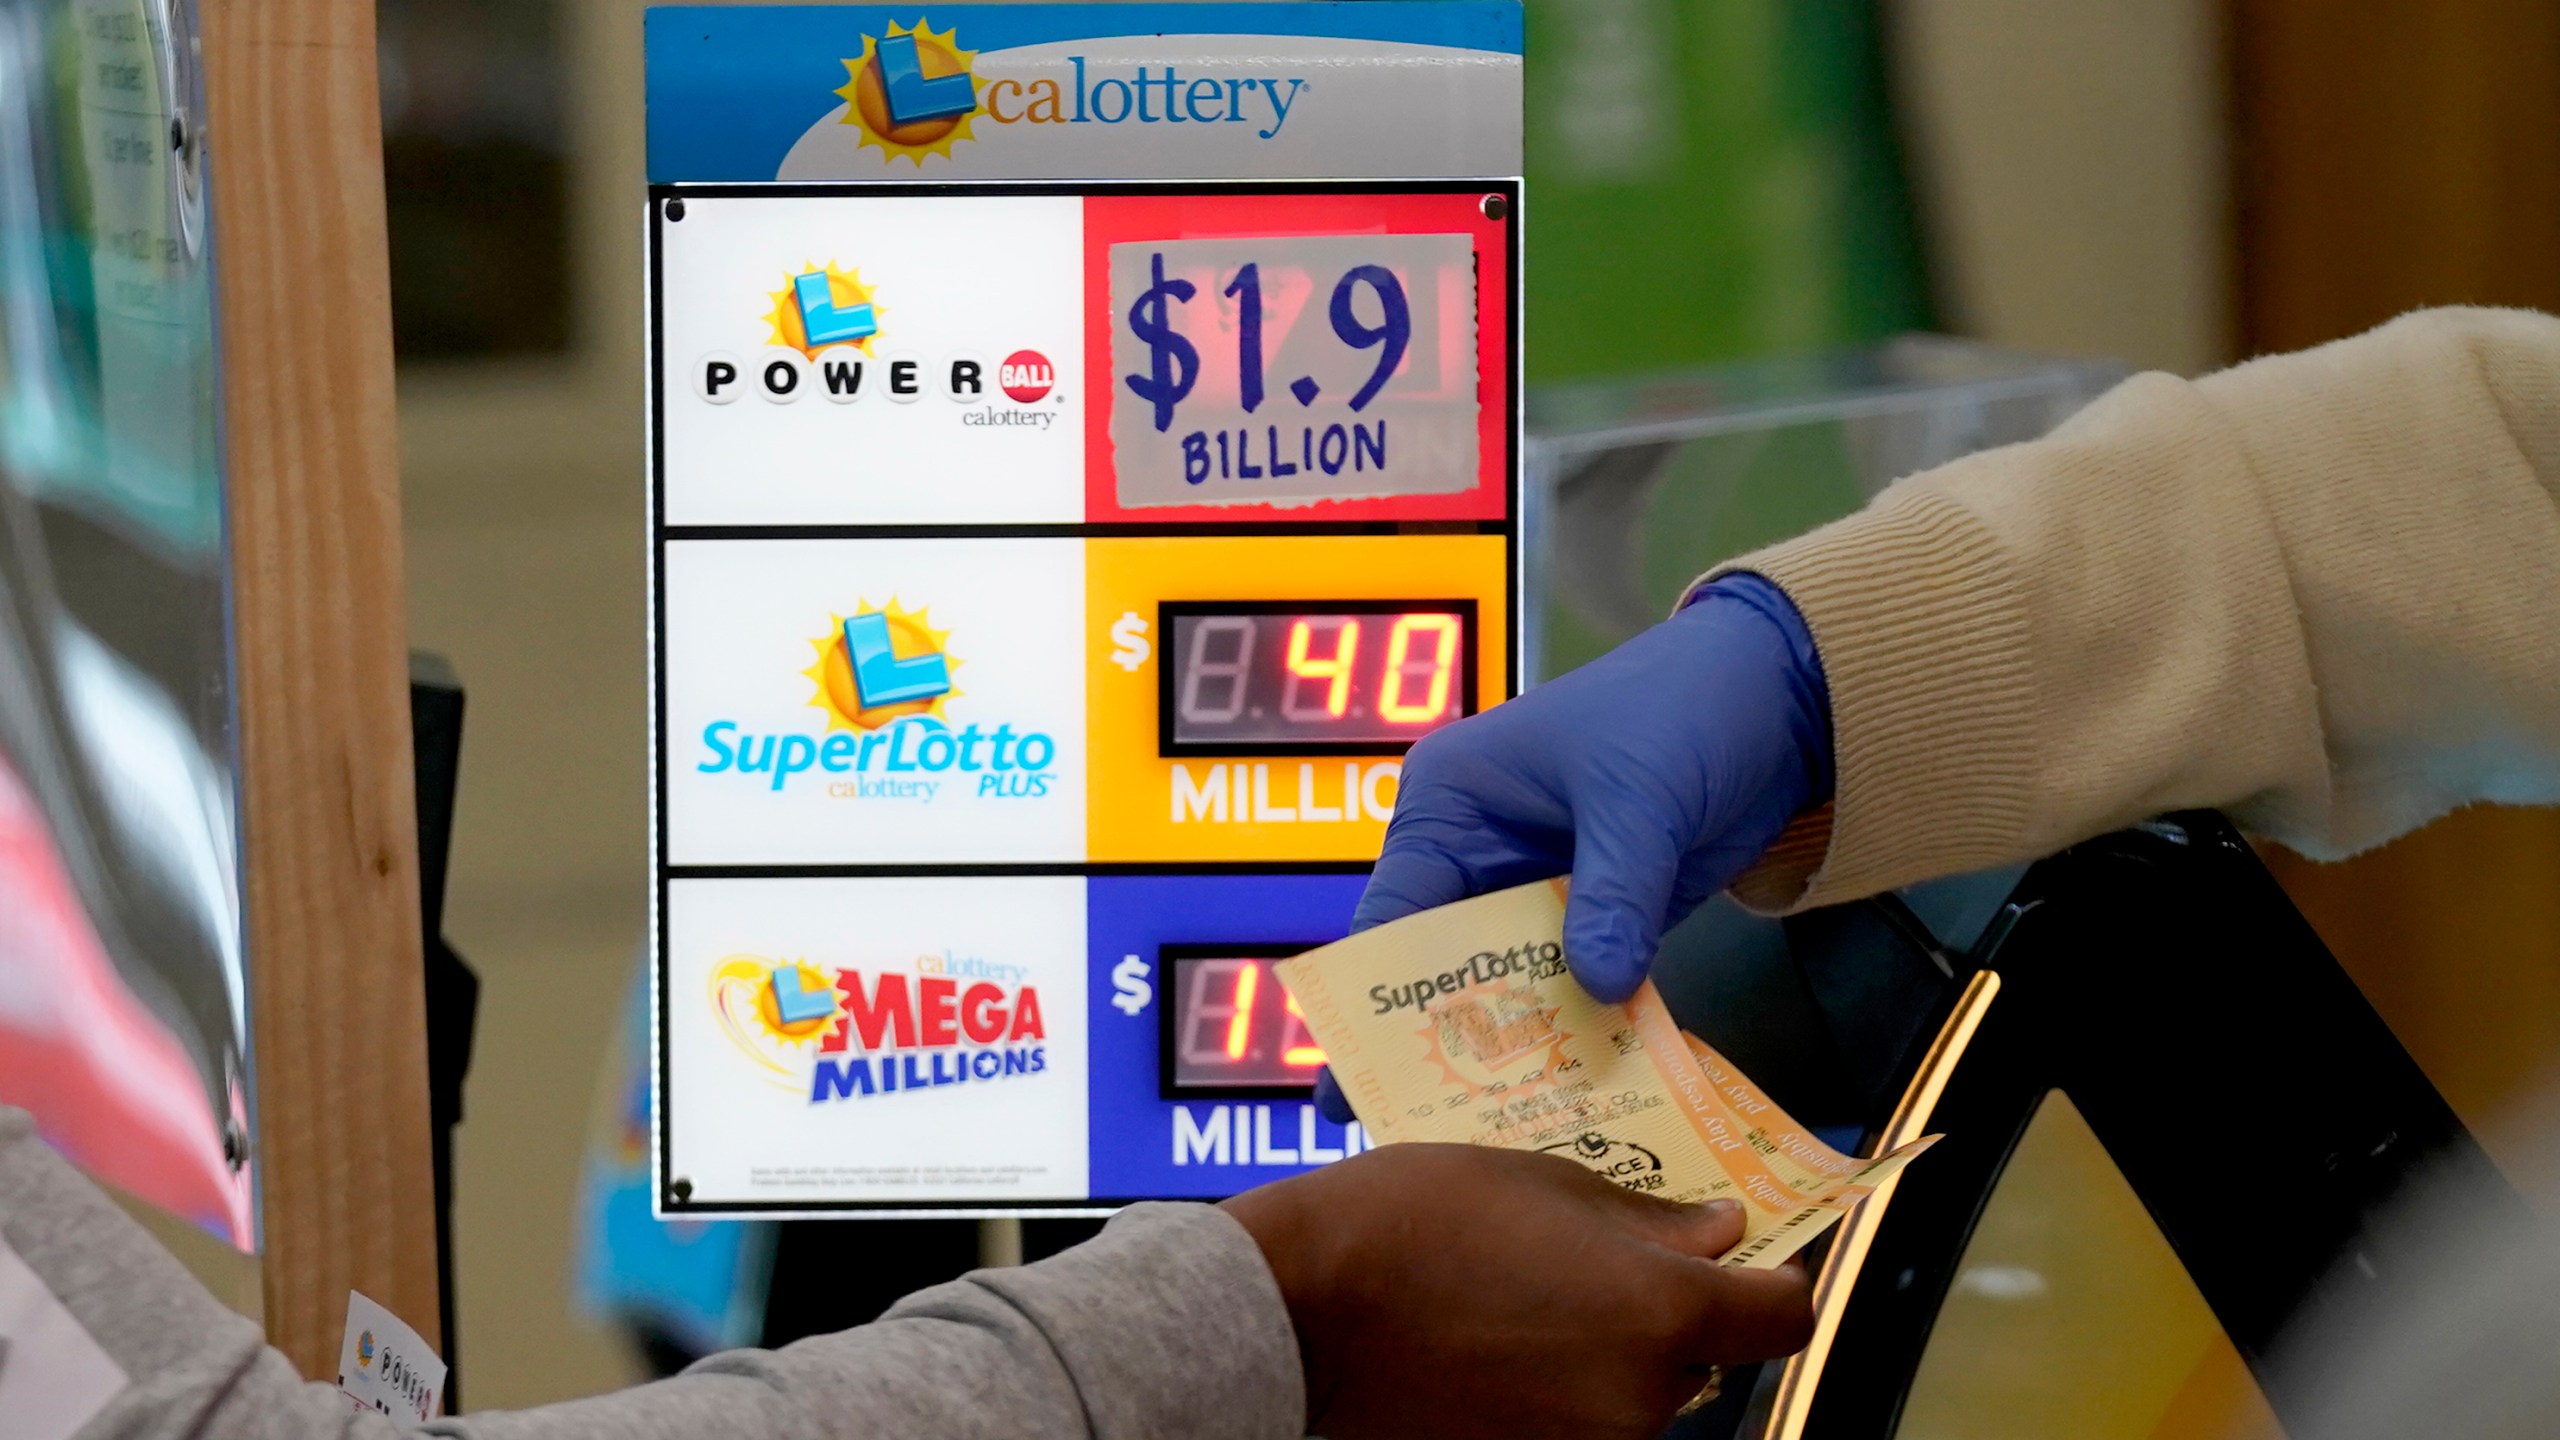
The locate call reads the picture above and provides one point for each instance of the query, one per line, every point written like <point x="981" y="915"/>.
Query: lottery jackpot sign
<point x="1049" y="578"/>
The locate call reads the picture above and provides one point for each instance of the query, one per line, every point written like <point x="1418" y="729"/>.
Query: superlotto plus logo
<point x="916" y="92"/>
<point x="823" y="336"/>
<point x="833" y="1034"/>
<point x="885" y="679"/>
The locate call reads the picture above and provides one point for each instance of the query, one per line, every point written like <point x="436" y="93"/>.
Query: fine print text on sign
<point x="1463" y="1024"/>
<point x="1291" y="370"/>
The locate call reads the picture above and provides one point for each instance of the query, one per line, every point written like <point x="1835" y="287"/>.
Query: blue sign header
<point x="758" y="93"/>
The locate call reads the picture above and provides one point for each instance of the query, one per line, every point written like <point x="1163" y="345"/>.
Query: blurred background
<point x="2170" y="183"/>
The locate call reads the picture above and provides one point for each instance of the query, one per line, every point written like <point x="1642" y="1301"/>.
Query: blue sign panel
<point x="1173" y="91"/>
<point x="1146" y="1139"/>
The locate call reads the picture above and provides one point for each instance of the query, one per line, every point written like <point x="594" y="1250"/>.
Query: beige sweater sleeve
<point x="2320" y="591"/>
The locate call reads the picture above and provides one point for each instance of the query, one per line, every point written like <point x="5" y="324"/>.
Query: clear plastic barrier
<point x="123" y="998"/>
<point x="1636" y="485"/>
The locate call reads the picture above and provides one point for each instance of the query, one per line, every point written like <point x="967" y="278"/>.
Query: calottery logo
<point x="911" y="92"/>
<point x="845" y="1034"/>
<point x="820" y="307"/>
<point x="915" y="92"/>
<point x="884" y="682"/>
<point x="881" y="665"/>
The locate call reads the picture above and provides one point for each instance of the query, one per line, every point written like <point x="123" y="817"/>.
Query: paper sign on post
<point x="1463" y="1024"/>
<point x="1291" y="369"/>
<point x="384" y="1366"/>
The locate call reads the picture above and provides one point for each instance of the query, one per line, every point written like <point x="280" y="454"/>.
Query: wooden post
<point x="294" y="137"/>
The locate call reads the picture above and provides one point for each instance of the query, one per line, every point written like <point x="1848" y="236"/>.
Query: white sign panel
<point x="881" y="1040"/>
<point x="890" y="701"/>
<point x="888" y="359"/>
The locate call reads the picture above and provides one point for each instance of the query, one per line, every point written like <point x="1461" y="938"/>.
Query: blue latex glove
<point x="1655" y="775"/>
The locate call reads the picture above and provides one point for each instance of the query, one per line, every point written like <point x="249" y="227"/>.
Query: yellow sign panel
<point x="1290" y="801"/>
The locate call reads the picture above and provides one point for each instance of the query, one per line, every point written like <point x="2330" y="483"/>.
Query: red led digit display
<point x="1230" y="1026"/>
<point x="1314" y="677"/>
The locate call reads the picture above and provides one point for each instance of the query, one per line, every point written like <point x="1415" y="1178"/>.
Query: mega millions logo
<point x="884" y="685"/>
<point x="915" y="92"/>
<point x="844" y="1034"/>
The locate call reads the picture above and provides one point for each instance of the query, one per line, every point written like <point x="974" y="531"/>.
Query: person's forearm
<point x="194" y="1370"/>
<point x="2321" y="591"/>
<point x="1169" y="1324"/>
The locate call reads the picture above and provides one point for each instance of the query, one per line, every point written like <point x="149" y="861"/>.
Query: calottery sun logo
<point x="775" y="1012"/>
<point x="879" y="665"/>
<point x="911" y="92"/>
<point x="822" y="306"/>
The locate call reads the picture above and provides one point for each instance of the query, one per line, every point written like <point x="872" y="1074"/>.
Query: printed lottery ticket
<point x="1463" y="1024"/>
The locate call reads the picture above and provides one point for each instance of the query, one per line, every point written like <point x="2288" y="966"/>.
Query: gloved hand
<point x="1655" y="775"/>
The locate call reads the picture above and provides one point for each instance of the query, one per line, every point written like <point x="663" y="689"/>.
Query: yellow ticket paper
<point x="1463" y="1024"/>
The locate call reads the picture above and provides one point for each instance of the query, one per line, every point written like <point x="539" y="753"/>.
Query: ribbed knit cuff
<point x="1776" y="882"/>
<point x="1923" y="635"/>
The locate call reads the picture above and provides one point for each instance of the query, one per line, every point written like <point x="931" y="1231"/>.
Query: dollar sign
<point x="1173" y="366"/>
<point x="1129" y="647"/>
<point x="1131" y="992"/>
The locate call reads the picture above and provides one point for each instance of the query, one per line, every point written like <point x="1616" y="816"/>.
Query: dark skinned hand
<point x="1457" y="1290"/>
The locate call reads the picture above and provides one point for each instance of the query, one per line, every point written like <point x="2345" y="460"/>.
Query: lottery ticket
<point x="1463" y="1024"/>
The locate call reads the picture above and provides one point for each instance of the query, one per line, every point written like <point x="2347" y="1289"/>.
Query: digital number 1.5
<point x="1235" y="1025"/>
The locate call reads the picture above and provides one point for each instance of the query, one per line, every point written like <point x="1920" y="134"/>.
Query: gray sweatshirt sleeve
<point x="1167" y="1324"/>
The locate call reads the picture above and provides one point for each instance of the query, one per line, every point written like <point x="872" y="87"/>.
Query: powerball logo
<point x="884" y="683"/>
<point x="843" y="1034"/>
<point x="822" y="332"/>
<point x="915" y="92"/>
